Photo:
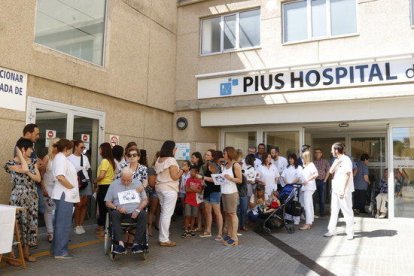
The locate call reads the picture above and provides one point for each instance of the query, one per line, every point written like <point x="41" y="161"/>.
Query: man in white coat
<point x="342" y="188"/>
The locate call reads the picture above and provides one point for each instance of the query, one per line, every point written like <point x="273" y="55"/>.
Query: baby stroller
<point x="289" y="198"/>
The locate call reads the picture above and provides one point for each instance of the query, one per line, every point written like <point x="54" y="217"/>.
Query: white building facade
<point x="287" y="73"/>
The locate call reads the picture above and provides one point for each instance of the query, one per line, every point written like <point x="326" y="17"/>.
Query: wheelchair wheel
<point x="267" y="230"/>
<point x="107" y="237"/>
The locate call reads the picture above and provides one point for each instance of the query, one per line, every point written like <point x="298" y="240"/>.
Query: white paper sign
<point x="130" y="196"/>
<point x="13" y="87"/>
<point x="7" y="219"/>
<point x="218" y="179"/>
<point x="199" y="198"/>
<point x="183" y="151"/>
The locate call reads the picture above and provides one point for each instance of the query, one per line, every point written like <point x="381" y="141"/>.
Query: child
<point x="257" y="201"/>
<point x="193" y="186"/>
<point x="273" y="204"/>
<point x="181" y="194"/>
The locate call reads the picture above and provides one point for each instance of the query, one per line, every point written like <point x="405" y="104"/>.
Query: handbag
<point x="83" y="182"/>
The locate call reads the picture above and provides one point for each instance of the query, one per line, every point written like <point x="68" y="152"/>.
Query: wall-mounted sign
<point x="86" y="139"/>
<point x="113" y="140"/>
<point x="395" y="71"/>
<point x="50" y="134"/>
<point x="13" y="86"/>
<point x="183" y="151"/>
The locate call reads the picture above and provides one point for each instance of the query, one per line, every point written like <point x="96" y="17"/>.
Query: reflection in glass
<point x="295" y="21"/>
<point x="403" y="147"/>
<point x="49" y="120"/>
<point x="211" y="36"/>
<point x="229" y="32"/>
<point x="74" y="27"/>
<point x="287" y="141"/>
<point x="240" y="140"/>
<point x="249" y="32"/>
<point x="343" y="17"/>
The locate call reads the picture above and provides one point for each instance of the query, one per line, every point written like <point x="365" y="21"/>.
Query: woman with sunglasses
<point x="81" y="162"/>
<point x="140" y="172"/>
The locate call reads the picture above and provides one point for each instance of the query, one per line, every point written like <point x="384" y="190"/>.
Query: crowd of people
<point x="224" y="187"/>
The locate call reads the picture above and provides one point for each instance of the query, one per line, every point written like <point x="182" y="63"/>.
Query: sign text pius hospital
<point x="310" y="79"/>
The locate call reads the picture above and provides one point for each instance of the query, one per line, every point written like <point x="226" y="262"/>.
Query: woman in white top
<point x="292" y="175"/>
<point x="309" y="174"/>
<point x="268" y="174"/>
<point x="230" y="196"/>
<point x="78" y="158"/>
<point x="48" y="182"/>
<point x="168" y="175"/>
<point x="65" y="193"/>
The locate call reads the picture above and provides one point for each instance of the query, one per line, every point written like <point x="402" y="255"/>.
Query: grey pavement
<point x="380" y="247"/>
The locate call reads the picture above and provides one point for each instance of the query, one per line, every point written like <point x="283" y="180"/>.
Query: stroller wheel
<point x="267" y="230"/>
<point x="290" y="228"/>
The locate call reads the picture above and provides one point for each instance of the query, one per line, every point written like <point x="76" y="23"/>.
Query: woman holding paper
<point x="25" y="174"/>
<point x="233" y="174"/>
<point x="212" y="194"/>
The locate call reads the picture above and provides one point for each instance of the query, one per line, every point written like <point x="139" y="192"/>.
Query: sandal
<point x="231" y="242"/>
<point x="226" y="238"/>
<point x="168" y="244"/>
<point x="218" y="238"/>
<point x="205" y="235"/>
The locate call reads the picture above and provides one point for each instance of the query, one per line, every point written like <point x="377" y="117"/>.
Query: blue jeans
<point x="320" y="193"/>
<point x="242" y="210"/>
<point x="62" y="226"/>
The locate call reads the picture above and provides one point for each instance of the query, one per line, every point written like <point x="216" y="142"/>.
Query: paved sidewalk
<point x="379" y="248"/>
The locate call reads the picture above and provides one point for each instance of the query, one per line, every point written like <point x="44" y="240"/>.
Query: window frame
<point x="237" y="44"/>
<point x="58" y="52"/>
<point x="309" y="23"/>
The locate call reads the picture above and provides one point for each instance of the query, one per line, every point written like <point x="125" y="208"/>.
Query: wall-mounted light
<point x="181" y="123"/>
<point x="343" y="124"/>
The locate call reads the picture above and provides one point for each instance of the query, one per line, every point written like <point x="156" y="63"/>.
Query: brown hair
<point x="133" y="148"/>
<point x="63" y="144"/>
<point x="231" y="153"/>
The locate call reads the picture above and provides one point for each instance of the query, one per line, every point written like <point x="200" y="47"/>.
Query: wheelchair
<point x="128" y="228"/>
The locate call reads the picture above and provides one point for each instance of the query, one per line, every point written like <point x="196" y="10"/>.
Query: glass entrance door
<point x="287" y="141"/>
<point x="402" y="178"/>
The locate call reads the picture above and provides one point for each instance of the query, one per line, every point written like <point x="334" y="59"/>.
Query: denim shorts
<point x="213" y="198"/>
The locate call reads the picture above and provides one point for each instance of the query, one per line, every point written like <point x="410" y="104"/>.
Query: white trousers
<point x="382" y="200"/>
<point x="168" y="199"/>
<point x="49" y="213"/>
<point x="306" y="200"/>
<point x="345" y="205"/>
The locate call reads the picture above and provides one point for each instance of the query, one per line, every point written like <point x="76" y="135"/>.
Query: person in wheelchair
<point x="126" y="199"/>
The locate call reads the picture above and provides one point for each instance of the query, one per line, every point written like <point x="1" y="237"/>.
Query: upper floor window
<point x="73" y="27"/>
<point x="315" y="19"/>
<point x="412" y="12"/>
<point x="230" y="32"/>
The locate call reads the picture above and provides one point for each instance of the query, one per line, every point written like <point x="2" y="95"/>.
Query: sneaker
<point x="349" y="238"/>
<point x="329" y="234"/>
<point x="382" y="216"/>
<point x="185" y="234"/>
<point x="137" y="248"/>
<point x="78" y="230"/>
<point x="82" y="229"/>
<point x="66" y="257"/>
<point x="119" y="249"/>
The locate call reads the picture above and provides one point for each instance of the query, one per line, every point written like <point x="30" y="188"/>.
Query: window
<point x="230" y="32"/>
<point x="412" y="12"/>
<point x="315" y="19"/>
<point x="73" y="27"/>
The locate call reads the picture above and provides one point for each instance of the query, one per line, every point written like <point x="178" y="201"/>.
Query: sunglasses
<point x="132" y="155"/>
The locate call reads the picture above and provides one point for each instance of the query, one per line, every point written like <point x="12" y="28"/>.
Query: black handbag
<point x="293" y="208"/>
<point x="83" y="182"/>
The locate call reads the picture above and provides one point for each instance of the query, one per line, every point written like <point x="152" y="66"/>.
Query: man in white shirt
<point x="342" y="188"/>
<point x="281" y="164"/>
